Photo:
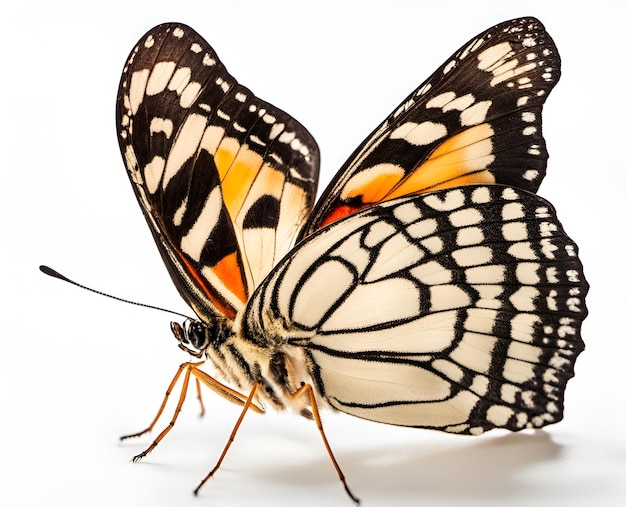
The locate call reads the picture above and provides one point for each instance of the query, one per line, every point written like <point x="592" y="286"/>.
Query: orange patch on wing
<point x="223" y="307"/>
<point x="240" y="178"/>
<point x="223" y="160"/>
<point x="373" y="184"/>
<point x="243" y="171"/>
<point x="228" y="271"/>
<point x="461" y="160"/>
<point x="339" y="213"/>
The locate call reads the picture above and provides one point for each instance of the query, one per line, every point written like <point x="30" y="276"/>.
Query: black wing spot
<point x="263" y="213"/>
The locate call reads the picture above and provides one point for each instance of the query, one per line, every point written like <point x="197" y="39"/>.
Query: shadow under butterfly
<point x="442" y="470"/>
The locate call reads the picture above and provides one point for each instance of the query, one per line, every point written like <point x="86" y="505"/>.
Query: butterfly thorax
<point x="281" y="361"/>
<point x="278" y="369"/>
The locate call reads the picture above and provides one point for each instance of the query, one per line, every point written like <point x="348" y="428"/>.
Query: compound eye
<point x="196" y="335"/>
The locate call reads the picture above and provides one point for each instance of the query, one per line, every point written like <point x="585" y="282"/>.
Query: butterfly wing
<point x="458" y="310"/>
<point x="477" y="119"/>
<point x="225" y="180"/>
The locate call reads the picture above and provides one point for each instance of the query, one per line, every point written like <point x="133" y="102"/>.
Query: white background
<point x="77" y="370"/>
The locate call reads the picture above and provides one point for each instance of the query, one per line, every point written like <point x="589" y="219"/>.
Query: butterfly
<point x="428" y="287"/>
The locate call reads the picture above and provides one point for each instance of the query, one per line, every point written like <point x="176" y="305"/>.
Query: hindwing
<point x="477" y="119"/>
<point x="458" y="310"/>
<point x="224" y="179"/>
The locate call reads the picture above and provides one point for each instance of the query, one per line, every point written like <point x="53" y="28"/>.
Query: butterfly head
<point x="192" y="335"/>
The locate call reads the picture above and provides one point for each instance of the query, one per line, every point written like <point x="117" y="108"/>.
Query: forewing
<point x="458" y="310"/>
<point x="477" y="119"/>
<point x="224" y="179"/>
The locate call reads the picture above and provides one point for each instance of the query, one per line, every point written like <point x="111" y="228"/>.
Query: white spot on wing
<point x="529" y="131"/>
<point x="422" y="228"/>
<point x="276" y="129"/>
<point x="481" y="195"/>
<point x="515" y="231"/>
<point x="255" y="139"/>
<point x="193" y="242"/>
<point x="180" y="80"/>
<point x="518" y="371"/>
<point x="522" y="250"/>
<point x="449" y="66"/>
<point x="161" y="125"/>
<point x="180" y="212"/>
<point x="493" y="274"/>
<point x="451" y="200"/>
<point x="137" y="89"/>
<point x="440" y="100"/>
<point x="469" y="236"/>
<point x="185" y="146"/>
<point x="189" y="95"/>
<point x="159" y="77"/>
<point x="499" y="415"/>
<point x="460" y="103"/>
<point x="512" y="211"/>
<point x="153" y="172"/>
<point x="211" y="138"/>
<point x="287" y="137"/>
<point x="464" y="217"/>
<point x="475" y="114"/>
<point x="493" y="55"/>
<point x="523" y="298"/>
<point x="420" y="134"/>
<point x="527" y="273"/>
<point x="472" y="256"/>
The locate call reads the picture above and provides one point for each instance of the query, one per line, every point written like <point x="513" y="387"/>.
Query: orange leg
<point x="246" y="406"/>
<point x="305" y="388"/>
<point x="218" y="387"/>
<point x="163" y="403"/>
<point x="179" y="406"/>
<point x="199" y="397"/>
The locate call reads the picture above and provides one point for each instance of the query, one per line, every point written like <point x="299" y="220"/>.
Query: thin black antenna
<point x="55" y="274"/>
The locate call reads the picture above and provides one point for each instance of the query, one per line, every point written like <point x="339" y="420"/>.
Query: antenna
<point x="55" y="274"/>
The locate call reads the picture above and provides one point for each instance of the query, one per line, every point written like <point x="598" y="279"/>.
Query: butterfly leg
<point x="200" y="376"/>
<point x="162" y="407"/>
<point x="248" y="404"/>
<point x="187" y="368"/>
<point x="307" y="389"/>
<point x="199" y="396"/>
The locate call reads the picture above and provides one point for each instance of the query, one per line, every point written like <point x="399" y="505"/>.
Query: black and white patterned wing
<point x="477" y="119"/>
<point x="224" y="179"/>
<point x="458" y="310"/>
